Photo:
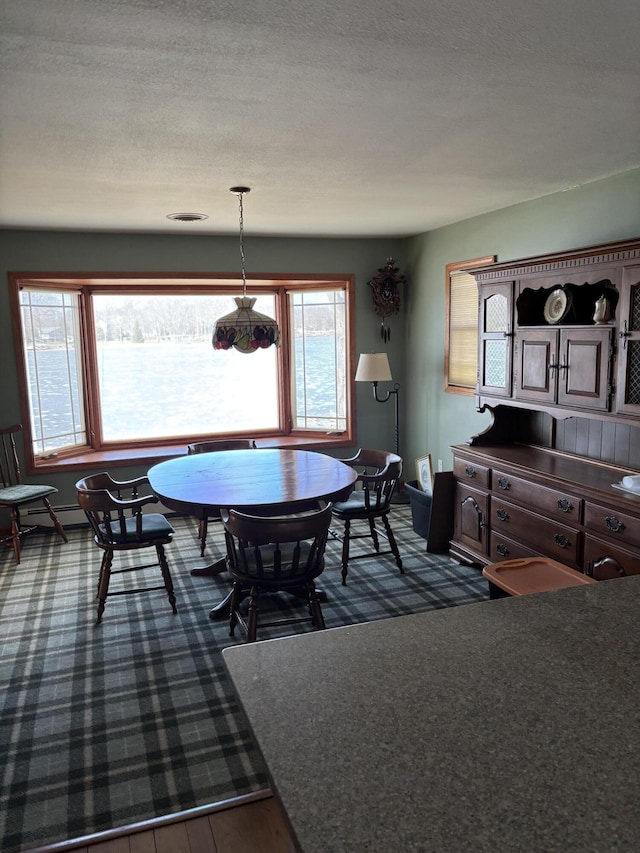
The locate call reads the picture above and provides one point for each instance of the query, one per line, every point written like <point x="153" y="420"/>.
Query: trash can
<point x="420" y="508"/>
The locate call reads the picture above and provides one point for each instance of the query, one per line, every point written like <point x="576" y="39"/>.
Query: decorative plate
<point x="557" y="306"/>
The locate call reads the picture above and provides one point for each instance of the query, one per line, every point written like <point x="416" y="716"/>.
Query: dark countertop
<point x="510" y="725"/>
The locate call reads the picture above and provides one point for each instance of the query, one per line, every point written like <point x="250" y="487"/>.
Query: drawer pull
<point x="614" y="524"/>
<point x="565" y="505"/>
<point x="470" y="472"/>
<point x="504" y="484"/>
<point x="561" y="540"/>
<point x="502" y="549"/>
<point x="502" y="514"/>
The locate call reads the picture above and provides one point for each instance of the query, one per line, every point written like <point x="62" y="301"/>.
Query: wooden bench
<point x="531" y="574"/>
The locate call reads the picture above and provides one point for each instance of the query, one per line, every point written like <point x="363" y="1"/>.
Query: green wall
<point x="598" y="212"/>
<point x="431" y="420"/>
<point x="71" y="252"/>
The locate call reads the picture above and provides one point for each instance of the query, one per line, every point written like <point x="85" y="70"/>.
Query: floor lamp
<point x="374" y="367"/>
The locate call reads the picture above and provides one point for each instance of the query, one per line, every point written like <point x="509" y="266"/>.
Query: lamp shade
<point x="244" y="329"/>
<point x="373" y="367"/>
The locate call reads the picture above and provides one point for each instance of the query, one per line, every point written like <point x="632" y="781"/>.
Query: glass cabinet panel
<point x="628" y="378"/>
<point x="496" y="339"/>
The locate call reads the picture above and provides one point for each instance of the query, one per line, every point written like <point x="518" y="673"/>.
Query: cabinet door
<point x="568" y="366"/>
<point x="470" y="527"/>
<point x="583" y="371"/>
<point x="537" y="365"/>
<point x="628" y="377"/>
<point x="495" y="339"/>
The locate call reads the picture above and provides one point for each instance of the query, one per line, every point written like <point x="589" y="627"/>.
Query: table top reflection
<point x="249" y="478"/>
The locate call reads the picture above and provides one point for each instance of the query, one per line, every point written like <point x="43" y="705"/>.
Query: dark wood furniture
<point x="378" y="476"/>
<point x="214" y="447"/>
<point x="432" y="515"/>
<point x="114" y="511"/>
<point x="248" y="479"/>
<point x="559" y="372"/>
<point x="271" y="554"/>
<point x="14" y="494"/>
<point x="515" y="735"/>
<point x="521" y="501"/>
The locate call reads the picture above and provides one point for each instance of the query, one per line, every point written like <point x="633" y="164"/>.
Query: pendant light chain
<point x="244" y="329"/>
<point x="242" y="261"/>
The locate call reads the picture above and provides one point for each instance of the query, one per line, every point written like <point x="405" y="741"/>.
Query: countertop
<point x="508" y="725"/>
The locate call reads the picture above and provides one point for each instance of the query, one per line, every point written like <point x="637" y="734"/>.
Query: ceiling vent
<point x="187" y="217"/>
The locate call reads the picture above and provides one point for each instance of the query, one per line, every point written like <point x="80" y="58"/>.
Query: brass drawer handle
<point x="565" y="505"/>
<point x="504" y="484"/>
<point x="470" y="472"/>
<point x="561" y="540"/>
<point x="502" y="514"/>
<point x="502" y="549"/>
<point x="614" y="524"/>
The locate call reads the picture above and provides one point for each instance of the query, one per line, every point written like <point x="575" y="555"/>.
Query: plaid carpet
<point x="135" y="719"/>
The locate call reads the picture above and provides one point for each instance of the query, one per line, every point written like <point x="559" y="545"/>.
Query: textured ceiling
<point x="346" y="117"/>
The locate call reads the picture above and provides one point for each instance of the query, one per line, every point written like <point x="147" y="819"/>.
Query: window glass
<point x="51" y="333"/>
<point x="319" y="360"/>
<point x="159" y="376"/>
<point x="461" y="332"/>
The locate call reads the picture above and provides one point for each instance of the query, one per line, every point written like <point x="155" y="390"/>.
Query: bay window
<point x="114" y="363"/>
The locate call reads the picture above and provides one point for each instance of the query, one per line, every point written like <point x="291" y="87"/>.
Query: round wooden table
<point x="283" y="480"/>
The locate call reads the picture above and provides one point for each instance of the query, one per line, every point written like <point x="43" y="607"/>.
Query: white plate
<point x="625" y="489"/>
<point x="556" y="306"/>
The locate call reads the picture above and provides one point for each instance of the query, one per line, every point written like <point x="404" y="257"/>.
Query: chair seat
<point x="355" y="506"/>
<point x="24" y="493"/>
<point x="154" y="526"/>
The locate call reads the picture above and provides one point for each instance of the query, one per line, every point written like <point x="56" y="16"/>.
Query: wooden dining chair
<point x="212" y="447"/>
<point x="266" y="553"/>
<point x="378" y="476"/>
<point x="14" y="494"/>
<point x="114" y="511"/>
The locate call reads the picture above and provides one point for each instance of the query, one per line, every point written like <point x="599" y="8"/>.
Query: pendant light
<point x="244" y="329"/>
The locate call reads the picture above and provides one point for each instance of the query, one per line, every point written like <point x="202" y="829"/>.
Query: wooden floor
<point x="258" y="826"/>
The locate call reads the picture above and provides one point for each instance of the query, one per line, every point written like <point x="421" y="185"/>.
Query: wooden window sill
<point x="123" y="456"/>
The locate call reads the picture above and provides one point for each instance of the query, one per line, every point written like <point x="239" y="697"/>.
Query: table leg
<point x="300" y="592"/>
<point x="211" y="570"/>
<point x="222" y="610"/>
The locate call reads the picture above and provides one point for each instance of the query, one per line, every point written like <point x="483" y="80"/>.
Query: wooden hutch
<point x="559" y="371"/>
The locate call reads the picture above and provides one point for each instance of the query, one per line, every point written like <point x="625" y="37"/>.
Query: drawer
<point x="604" y="561"/>
<point x="469" y="472"/>
<point x="566" y="507"/>
<point x="547" y="536"/>
<point x="620" y="527"/>
<point x="501" y="548"/>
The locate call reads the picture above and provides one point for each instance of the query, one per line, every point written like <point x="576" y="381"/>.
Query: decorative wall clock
<point x="386" y="296"/>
